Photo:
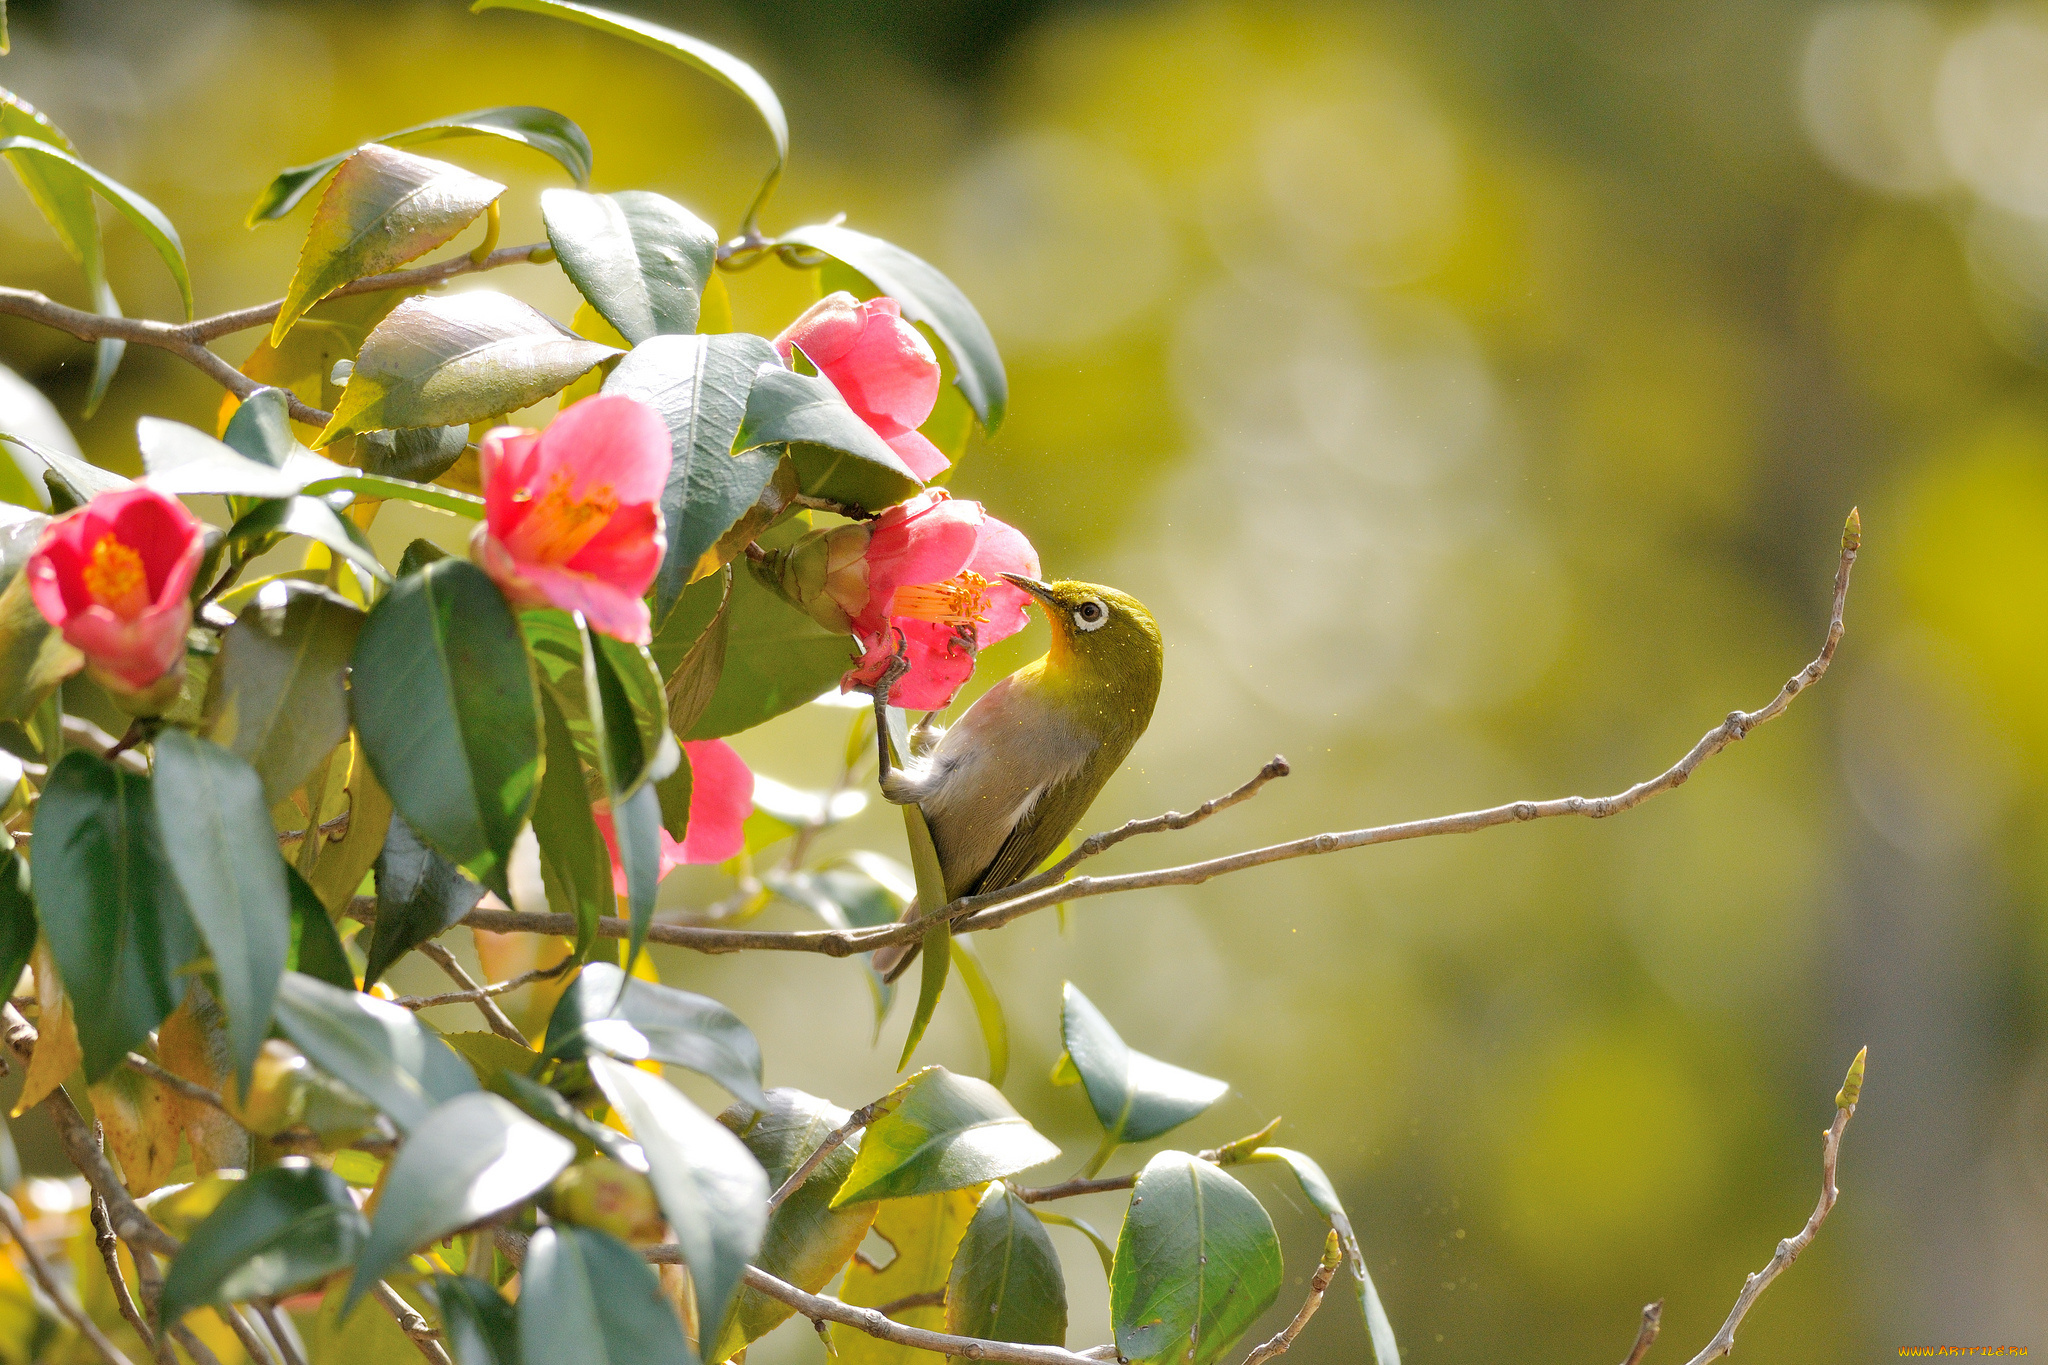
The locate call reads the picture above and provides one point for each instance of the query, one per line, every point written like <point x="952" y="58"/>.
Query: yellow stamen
<point x="957" y="602"/>
<point x="557" y="525"/>
<point x="116" y="579"/>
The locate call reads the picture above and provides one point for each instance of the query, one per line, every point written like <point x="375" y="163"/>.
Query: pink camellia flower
<point x="881" y="366"/>
<point x="572" y="516"/>
<point x="721" y="798"/>
<point x="116" y="578"/>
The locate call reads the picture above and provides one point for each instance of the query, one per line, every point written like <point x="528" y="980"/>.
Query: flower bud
<point x="824" y="574"/>
<point x="600" y="1193"/>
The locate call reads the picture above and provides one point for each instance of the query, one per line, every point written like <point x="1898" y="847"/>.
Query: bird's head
<point x="1109" y="633"/>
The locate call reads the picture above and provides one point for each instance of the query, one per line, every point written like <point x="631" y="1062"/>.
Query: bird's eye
<point x="1091" y="614"/>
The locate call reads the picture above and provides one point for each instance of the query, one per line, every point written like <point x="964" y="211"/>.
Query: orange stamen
<point x="557" y="525"/>
<point x="957" y="602"/>
<point x="116" y="579"/>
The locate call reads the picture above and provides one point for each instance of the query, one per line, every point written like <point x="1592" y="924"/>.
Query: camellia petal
<point x="115" y="578"/>
<point x="721" y="798"/>
<point x="881" y="365"/>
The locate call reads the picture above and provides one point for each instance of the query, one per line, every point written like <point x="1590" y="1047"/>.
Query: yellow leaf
<point x="140" y="1120"/>
<point x="924" y="1231"/>
<point x="345" y="861"/>
<point x="193" y="1043"/>
<point x="57" y="1052"/>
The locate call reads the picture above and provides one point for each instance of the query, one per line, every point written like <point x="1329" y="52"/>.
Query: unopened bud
<point x="600" y="1193"/>
<point x="1852" y="531"/>
<point x="825" y="574"/>
<point x="1852" y="1085"/>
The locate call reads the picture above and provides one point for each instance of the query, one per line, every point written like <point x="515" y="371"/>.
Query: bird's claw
<point x="893" y="671"/>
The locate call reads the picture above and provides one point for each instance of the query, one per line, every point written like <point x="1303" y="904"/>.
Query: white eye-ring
<point x="1091" y="614"/>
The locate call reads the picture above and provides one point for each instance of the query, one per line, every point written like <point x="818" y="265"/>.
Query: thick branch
<point x="58" y="1294"/>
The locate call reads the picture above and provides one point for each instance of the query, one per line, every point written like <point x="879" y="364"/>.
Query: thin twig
<point x="478" y="996"/>
<point x="201" y="1353"/>
<point x="496" y="988"/>
<point x="931" y="1298"/>
<point x="1319" y="1283"/>
<point x="331" y="830"/>
<point x="251" y="1339"/>
<point x="80" y="733"/>
<point x="58" y="1294"/>
<point x="1789" y="1249"/>
<point x="110" y="1256"/>
<point x="419" y="277"/>
<point x="171" y="1080"/>
<point x="859" y="1119"/>
<point x="1229" y="1154"/>
<point x="281" y="1332"/>
<point x="412" y="1324"/>
<point x="1653" y="1321"/>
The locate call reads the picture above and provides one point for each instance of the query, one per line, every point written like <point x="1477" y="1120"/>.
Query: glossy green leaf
<point x="776" y="657"/>
<point x="837" y="455"/>
<point x="110" y="905"/>
<point x="988" y="1010"/>
<point x="377" y="1049"/>
<point x="938" y="938"/>
<point x="416" y="454"/>
<point x="923" y="1233"/>
<point x="1102" y="1248"/>
<point x="587" y="1297"/>
<point x="437" y="360"/>
<point x="1006" y="1283"/>
<point x="278" y="692"/>
<point x="711" y="1189"/>
<point x="219" y="843"/>
<point x="606" y="1011"/>
<point x="18" y="925"/>
<point x="82" y="480"/>
<point x="445" y="708"/>
<point x="182" y="459"/>
<point x="383" y="208"/>
<point x="147" y="218"/>
<point x="261" y="429"/>
<point x="277" y="1230"/>
<point x="641" y="259"/>
<point x="807" y="1241"/>
<point x="928" y="297"/>
<point x="34" y="657"/>
<point x="479" y="1327"/>
<point x="316" y="521"/>
<point x="939" y="1131"/>
<point x="699" y="384"/>
<point x="546" y="1104"/>
<point x="575" y="865"/>
<point x="1136" y="1098"/>
<point x="720" y="65"/>
<point x="544" y="130"/>
<point x="1196" y="1264"/>
<point x="1323" y="1195"/>
<point x="420" y="895"/>
<point x="366" y="485"/>
<point x="623" y="759"/>
<point x="316" y="947"/>
<point x="471" y="1157"/>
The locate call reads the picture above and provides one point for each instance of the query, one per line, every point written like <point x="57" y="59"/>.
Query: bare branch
<point x="110" y="1256"/>
<point x="1653" y="1319"/>
<point x="1789" y="1249"/>
<point x="171" y="1080"/>
<point x="281" y="1332"/>
<point x="58" y="1294"/>
<point x="457" y="973"/>
<point x="859" y="1119"/>
<point x="412" y="1324"/>
<point x="419" y="277"/>
<point x="252" y="1340"/>
<point x="1277" y="1344"/>
<point x="496" y="988"/>
<point x="1229" y="1154"/>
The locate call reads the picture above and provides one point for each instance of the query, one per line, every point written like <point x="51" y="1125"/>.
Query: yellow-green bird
<point x="1011" y="779"/>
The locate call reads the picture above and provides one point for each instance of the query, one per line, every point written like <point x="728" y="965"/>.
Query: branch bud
<point x="1852" y="532"/>
<point x="1231" y="1153"/>
<point x="1852" y="1085"/>
<point x="1333" y="1252"/>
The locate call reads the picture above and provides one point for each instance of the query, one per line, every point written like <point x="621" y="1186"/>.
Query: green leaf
<point x="1323" y="1195"/>
<point x="1102" y="1248"/>
<point x="417" y="454"/>
<point x="220" y="844"/>
<point x="376" y="1049"/>
<point x="364" y="485"/>
<point x="587" y="1297"/>
<point x="544" y="130"/>
<point x="281" y="1228"/>
<point x="471" y="1157"/>
<point x="641" y="259"/>
<point x="147" y="218"/>
<point x="18" y="926"/>
<point x="316" y="947"/>
<point x="988" y="1011"/>
<point x="606" y="1011"/>
<point x="575" y="865"/>
<point x="711" y="1189"/>
<point x="623" y="759"/>
<point x="699" y="384"/>
<point x="183" y="460"/>
<point x="420" y="895"/>
<point x="34" y="657"/>
<point x="439" y="360"/>
<point x="776" y="657"/>
<point x="316" y="521"/>
<point x="1196" y="1264"/>
<point x="837" y="455"/>
<point x="939" y="1131"/>
<point x="924" y="1233"/>
<point x="807" y="1241"/>
<point x="479" y="1327"/>
<point x="928" y="297"/>
<point x="938" y="957"/>
<point x="82" y="480"/>
<point x="110" y="905"/>
<point x="1006" y="1283"/>
<point x="720" y="65"/>
<point x="278" y="693"/>
<point x="547" y="1105"/>
<point x="383" y="208"/>
<point x="1136" y="1098"/>
<point x="261" y="429"/>
<point x="445" y="709"/>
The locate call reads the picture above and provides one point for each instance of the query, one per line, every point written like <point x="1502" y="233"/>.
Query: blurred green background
<point x="1475" y="391"/>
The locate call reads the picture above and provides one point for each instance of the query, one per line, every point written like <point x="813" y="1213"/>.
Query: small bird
<point x="1007" y="782"/>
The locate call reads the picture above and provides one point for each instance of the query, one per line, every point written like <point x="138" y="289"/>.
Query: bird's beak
<point x="1030" y="585"/>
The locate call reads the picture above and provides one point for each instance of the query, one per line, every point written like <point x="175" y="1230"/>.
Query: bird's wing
<point x="1051" y="818"/>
